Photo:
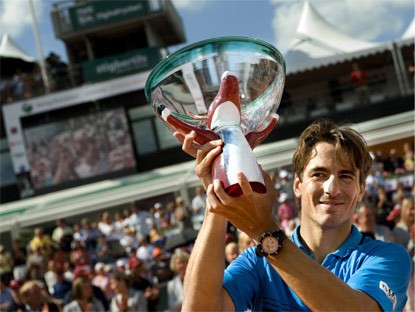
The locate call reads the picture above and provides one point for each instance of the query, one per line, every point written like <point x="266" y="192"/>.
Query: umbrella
<point x="185" y="237"/>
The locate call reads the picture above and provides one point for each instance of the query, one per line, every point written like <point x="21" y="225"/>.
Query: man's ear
<point x="296" y="186"/>
<point x="362" y="191"/>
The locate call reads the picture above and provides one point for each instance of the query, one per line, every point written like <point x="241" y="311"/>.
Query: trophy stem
<point x="237" y="156"/>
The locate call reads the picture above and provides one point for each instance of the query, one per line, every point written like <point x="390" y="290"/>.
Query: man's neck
<point x="321" y="242"/>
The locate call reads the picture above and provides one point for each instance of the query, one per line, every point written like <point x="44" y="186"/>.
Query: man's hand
<point x="250" y="212"/>
<point x="204" y="154"/>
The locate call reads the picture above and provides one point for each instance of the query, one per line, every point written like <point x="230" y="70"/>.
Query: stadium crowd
<point x="125" y="260"/>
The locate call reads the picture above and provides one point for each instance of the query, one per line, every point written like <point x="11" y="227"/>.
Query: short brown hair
<point x="345" y="139"/>
<point x="77" y="287"/>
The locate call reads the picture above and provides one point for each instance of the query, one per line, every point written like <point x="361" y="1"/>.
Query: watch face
<point x="270" y="244"/>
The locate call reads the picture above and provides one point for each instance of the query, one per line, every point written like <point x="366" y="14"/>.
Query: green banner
<point x="97" y="13"/>
<point x="121" y="64"/>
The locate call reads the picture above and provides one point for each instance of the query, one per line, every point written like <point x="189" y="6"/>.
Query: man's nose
<point x="331" y="186"/>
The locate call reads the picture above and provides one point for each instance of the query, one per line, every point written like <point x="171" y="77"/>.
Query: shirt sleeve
<point x="241" y="280"/>
<point x="384" y="276"/>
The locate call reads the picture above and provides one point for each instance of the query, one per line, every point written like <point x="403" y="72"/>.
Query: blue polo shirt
<point x="379" y="269"/>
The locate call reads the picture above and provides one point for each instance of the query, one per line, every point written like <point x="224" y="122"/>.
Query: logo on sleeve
<point x="388" y="292"/>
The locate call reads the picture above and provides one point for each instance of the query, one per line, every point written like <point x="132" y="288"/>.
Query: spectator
<point x="286" y="211"/>
<point x="83" y="297"/>
<point x="198" y="207"/>
<point x="178" y="265"/>
<point x="145" y="220"/>
<point x="285" y="184"/>
<point x="33" y="298"/>
<point x="383" y="208"/>
<point x="126" y="298"/>
<point x="231" y="252"/>
<point x="365" y="220"/>
<point x="6" y="297"/>
<point x="145" y="250"/>
<point x="42" y="241"/>
<point x="408" y="156"/>
<point x="6" y="264"/>
<point x="181" y="214"/>
<point x="358" y="76"/>
<point x="62" y="235"/>
<point x="244" y="242"/>
<point x="62" y="286"/>
<point x="36" y="264"/>
<point x="98" y="293"/>
<point x="78" y="254"/>
<point x="19" y="253"/>
<point x="102" y="280"/>
<point x="140" y="282"/>
<point x="129" y="240"/>
<point x="160" y="268"/>
<point x="107" y="227"/>
<point x="402" y="229"/>
<point x="104" y="250"/>
<point x="50" y="276"/>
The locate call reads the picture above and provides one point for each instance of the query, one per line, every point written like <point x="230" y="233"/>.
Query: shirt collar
<point x="350" y="244"/>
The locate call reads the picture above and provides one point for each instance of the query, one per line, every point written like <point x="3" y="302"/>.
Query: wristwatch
<point x="270" y="243"/>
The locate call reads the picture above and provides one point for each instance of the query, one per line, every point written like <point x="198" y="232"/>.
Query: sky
<point x="274" y="21"/>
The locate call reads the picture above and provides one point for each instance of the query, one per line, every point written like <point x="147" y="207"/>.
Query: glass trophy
<point x="225" y="88"/>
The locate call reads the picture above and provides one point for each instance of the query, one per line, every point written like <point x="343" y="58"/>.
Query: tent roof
<point x="8" y="48"/>
<point x="318" y="43"/>
<point x="409" y="33"/>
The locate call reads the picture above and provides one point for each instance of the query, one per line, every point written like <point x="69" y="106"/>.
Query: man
<point x="327" y="265"/>
<point x="366" y="223"/>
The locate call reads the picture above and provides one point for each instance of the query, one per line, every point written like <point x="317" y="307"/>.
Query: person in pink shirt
<point x="286" y="211"/>
<point x="102" y="280"/>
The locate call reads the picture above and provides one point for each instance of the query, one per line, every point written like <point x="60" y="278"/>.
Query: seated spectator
<point x="62" y="286"/>
<point x="126" y="298"/>
<point x="145" y="250"/>
<point x="98" y="293"/>
<point x="140" y="282"/>
<point x="102" y="280"/>
<point x="365" y="220"/>
<point x="178" y="265"/>
<point x="129" y="240"/>
<point x="160" y="268"/>
<point x="50" y="276"/>
<point x="33" y="298"/>
<point x="62" y="235"/>
<point x="286" y="211"/>
<point x="6" y="297"/>
<point x="42" y="241"/>
<point x="104" y="250"/>
<point x="6" y="264"/>
<point x="83" y="297"/>
<point x="78" y="254"/>
<point x="231" y="252"/>
<point x="36" y="264"/>
<point x="407" y="217"/>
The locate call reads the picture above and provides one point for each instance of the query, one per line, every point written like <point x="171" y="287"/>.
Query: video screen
<point x="76" y="148"/>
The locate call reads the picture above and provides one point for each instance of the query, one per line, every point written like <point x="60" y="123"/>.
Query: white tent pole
<point x="39" y="48"/>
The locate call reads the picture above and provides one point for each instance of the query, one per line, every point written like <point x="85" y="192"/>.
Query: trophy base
<point x="235" y="190"/>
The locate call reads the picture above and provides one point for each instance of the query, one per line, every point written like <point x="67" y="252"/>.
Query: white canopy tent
<point x="318" y="43"/>
<point x="9" y="49"/>
<point x="13" y="57"/>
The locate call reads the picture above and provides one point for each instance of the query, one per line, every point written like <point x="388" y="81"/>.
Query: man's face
<point x="329" y="190"/>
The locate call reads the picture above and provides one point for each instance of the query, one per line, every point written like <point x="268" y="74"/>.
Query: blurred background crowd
<point x="135" y="259"/>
